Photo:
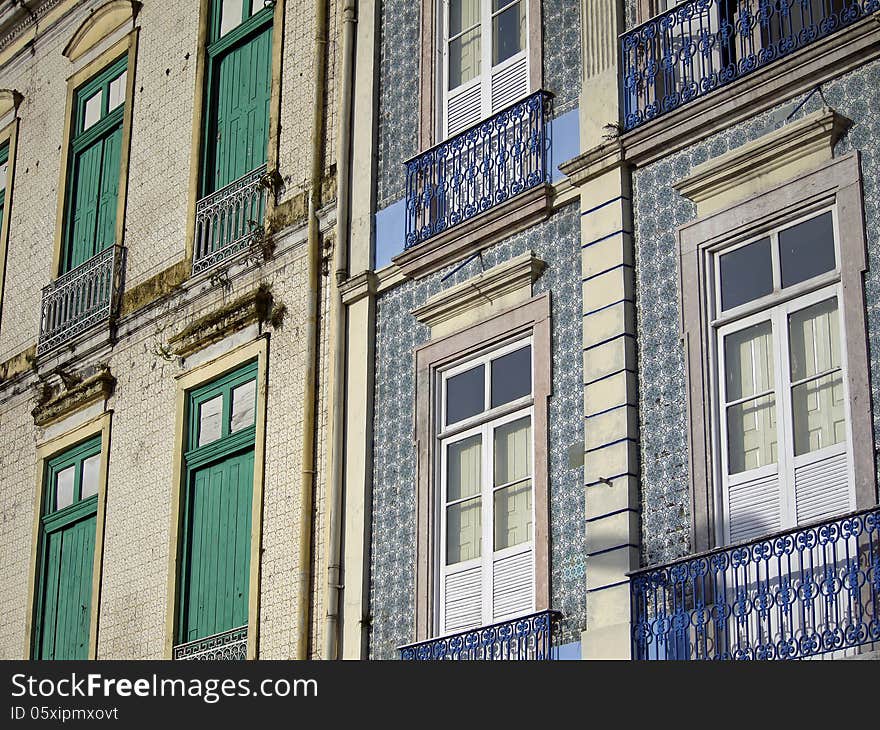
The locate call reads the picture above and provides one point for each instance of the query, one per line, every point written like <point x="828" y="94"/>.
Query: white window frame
<point x="775" y="308"/>
<point x="484" y="423"/>
<point x="487" y="70"/>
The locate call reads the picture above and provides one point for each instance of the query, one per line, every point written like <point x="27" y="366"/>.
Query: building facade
<point x="169" y="199"/>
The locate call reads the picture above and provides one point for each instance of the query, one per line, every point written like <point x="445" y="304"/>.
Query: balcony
<point x="478" y="169"/>
<point x="797" y="594"/>
<point x="523" y="639"/>
<point x="702" y="45"/>
<point x="230" y="220"/>
<point x="80" y="299"/>
<point x="225" y="646"/>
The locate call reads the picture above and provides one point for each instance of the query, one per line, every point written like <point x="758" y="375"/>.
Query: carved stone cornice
<point x="91" y="390"/>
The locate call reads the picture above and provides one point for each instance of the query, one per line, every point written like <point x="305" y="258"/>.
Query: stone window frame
<point x="837" y="183"/>
<point x="532" y="317"/>
<point x="430" y="96"/>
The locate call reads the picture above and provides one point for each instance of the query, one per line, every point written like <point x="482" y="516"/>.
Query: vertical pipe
<point x="309" y="435"/>
<point x="337" y="398"/>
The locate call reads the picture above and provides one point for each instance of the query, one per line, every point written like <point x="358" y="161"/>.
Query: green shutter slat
<point x="243" y="541"/>
<point x="52" y="577"/>
<point x="109" y="192"/>
<point x="84" y="204"/>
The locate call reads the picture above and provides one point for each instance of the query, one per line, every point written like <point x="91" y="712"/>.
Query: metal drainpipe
<point x="309" y="435"/>
<point x="337" y="399"/>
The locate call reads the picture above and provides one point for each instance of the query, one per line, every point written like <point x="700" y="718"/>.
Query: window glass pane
<point x="230" y="15"/>
<point x="90" y="476"/>
<point x="508" y="32"/>
<point x="748" y="360"/>
<point x="511" y="376"/>
<point x="92" y="110"/>
<point x="465" y="394"/>
<point x="513" y="515"/>
<point x="751" y="434"/>
<point x="818" y="413"/>
<point x="807" y="249"/>
<point x="4" y="170"/>
<point x="64" y="487"/>
<point x="464" y="58"/>
<point x="210" y="414"/>
<point x="463" y="461"/>
<point x="463" y="14"/>
<point x="746" y="274"/>
<point x="117" y="91"/>
<point x="513" y="451"/>
<point x="243" y="406"/>
<point x="813" y="340"/>
<point x="257" y="6"/>
<point x="463" y="531"/>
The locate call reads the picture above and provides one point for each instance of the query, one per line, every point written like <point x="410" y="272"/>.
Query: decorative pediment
<point x="101" y="23"/>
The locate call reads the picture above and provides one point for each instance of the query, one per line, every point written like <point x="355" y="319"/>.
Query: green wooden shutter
<point x="216" y="590"/>
<point x="84" y="204"/>
<point x="240" y="100"/>
<point x="66" y="589"/>
<point x="108" y="192"/>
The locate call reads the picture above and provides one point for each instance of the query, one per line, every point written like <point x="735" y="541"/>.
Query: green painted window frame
<point x="108" y="123"/>
<point x="53" y="520"/>
<point x="229" y="444"/>
<point x="218" y="46"/>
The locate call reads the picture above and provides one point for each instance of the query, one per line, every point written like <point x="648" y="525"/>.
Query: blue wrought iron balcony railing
<point x="700" y="45"/>
<point x="230" y="220"/>
<point x="80" y="299"/>
<point x="477" y="169"/>
<point x="809" y="591"/>
<point x="227" y="645"/>
<point x="527" y="638"/>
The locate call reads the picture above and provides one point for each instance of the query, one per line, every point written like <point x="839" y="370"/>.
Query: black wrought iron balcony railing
<point x="227" y="645"/>
<point x="230" y="220"/>
<point x="797" y="594"/>
<point x="701" y="45"/>
<point x="477" y="169"/>
<point x="528" y="638"/>
<point x="80" y="299"/>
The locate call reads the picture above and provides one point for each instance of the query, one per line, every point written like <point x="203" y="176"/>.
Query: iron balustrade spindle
<point x="477" y="169"/>
<point x="700" y="45"/>
<point x="522" y="639"/>
<point x="230" y="220"/>
<point x="227" y="645"/>
<point x="80" y="299"/>
<point x="795" y="594"/>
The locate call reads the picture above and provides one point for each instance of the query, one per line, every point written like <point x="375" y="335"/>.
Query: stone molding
<point x="444" y="310"/>
<point x="95" y="388"/>
<point x="775" y="157"/>
<point x="477" y="233"/>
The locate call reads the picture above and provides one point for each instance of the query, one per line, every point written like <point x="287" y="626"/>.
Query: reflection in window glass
<point x="92" y="110"/>
<point x="117" y="91"/>
<point x="513" y="451"/>
<point x="210" y="415"/>
<point x="230" y="16"/>
<point x="817" y="403"/>
<point x="748" y="357"/>
<point x="508" y="31"/>
<point x="751" y="434"/>
<point x="463" y="531"/>
<point x="243" y="406"/>
<point x="465" y="394"/>
<point x="746" y="274"/>
<point x="807" y="249"/>
<point x="511" y="376"/>
<point x="463" y="469"/>
<point x="513" y="515"/>
<point x="464" y="58"/>
<point x="64" y="481"/>
<point x="90" y="476"/>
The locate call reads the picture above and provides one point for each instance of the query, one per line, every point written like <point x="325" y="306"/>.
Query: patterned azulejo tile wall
<point x="557" y="243"/>
<point x="658" y="211"/>
<point x="399" y="80"/>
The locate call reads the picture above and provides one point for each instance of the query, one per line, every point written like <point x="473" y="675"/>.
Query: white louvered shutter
<point x="463" y="600"/>
<point x="754" y="508"/>
<point x="822" y="489"/>
<point x="513" y="581"/>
